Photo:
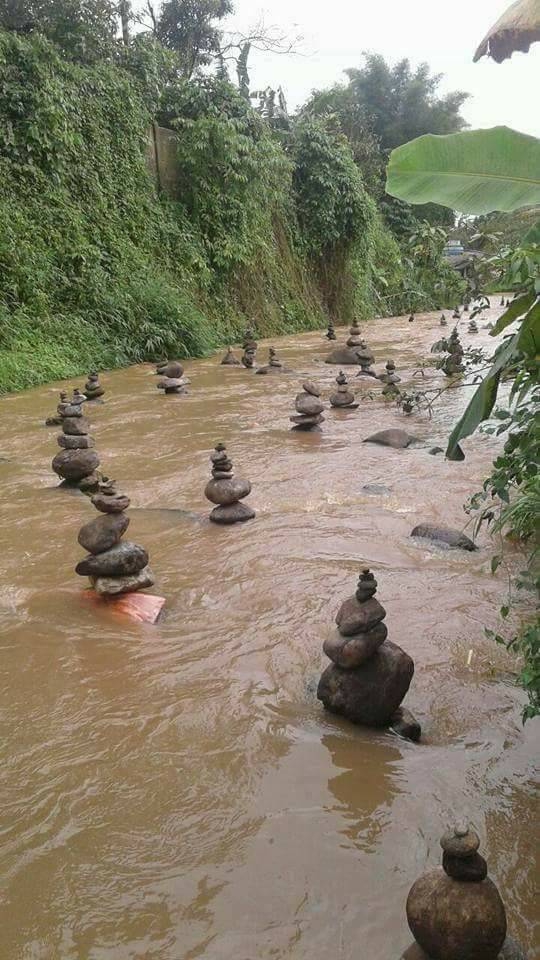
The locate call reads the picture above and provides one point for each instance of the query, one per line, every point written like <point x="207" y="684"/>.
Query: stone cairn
<point x="369" y="675"/>
<point x="274" y="365"/>
<point x="453" y="363"/>
<point x="250" y="349"/>
<point x="343" y="397"/>
<point x="114" y="566"/>
<point x="56" y="420"/>
<point x="227" y="491"/>
<point x="473" y="326"/>
<point x="443" y="321"/>
<point x="456" y="913"/>
<point x="411" y="318"/>
<point x="173" y="380"/>
<point x="92" y="388"/>
<point x="390" y="380"/>
<point x="308" y="408"/>
<point x="76" y="462"/>
<point x="347" y="355"/>
<point x="456" y="314"/>
<point x="331" y="333"/>
<point x="365" y="359"/>
<point x="229" y="360"/>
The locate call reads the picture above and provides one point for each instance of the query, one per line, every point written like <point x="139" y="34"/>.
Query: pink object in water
<point x="143" y="607"/>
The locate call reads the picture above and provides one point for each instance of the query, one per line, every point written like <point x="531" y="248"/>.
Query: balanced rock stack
<point x="92" y="388"/>
<point x="227" y="491"/>
<point x="365" y="359"/>
<point x="173" y="377"/>
<point x="77" y="462"/>
<point x="56" y="420"/>
<point x="114" y="566"/>
<point x="453" y="363"/>
<point x="348" y="355"/>
<point x="390" y="379"/>
<point x="250" y="349"/>
<point x="473" y="326"/>
<point x="456" y="314"/>
<point x="343" y="397"/>
<point x="308" y="408"/>
<point x="229" y="360"/>
<point x="443" y="321"/>
<point x="274" y="365"/>
<point x="456" y="913"/>
<point x="369" y="675"/>
<point x="330" y="333"/>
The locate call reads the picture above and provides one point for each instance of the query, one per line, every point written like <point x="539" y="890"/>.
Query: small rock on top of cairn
<point x="369" y="675"/>
<point x="343" y="397"/>
<point x="116" y="567"/>
<point x="308" y="408"/>
<point x="229" y="360"/>
<point x="456" y="913"/>
<point x="77" y="462"/>
<point x="56" y="420"/>
<point x="274" y="365"/>
<point x="173" y="378"/>
<point x="92" y="388"/>
<point x="227" y="491"/>
<point x="331" y="333"/>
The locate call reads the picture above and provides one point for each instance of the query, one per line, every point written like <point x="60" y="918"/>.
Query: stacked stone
<point x="56" y="420"/>
<point x="173" y="377"/>
<point x="456" y="913"/>
<point x="453" y="363"/>
<point x="92" y="388"/>
<point x="390" y="380"/>
<point x="348" y="355"/>
<point x="473" y="326"/>
<point x="274" y="365"/>
<point x="369" y="675"/>
<point x="114" y="566"/>
<point x="411" y="318"/>
<point x="229" y="360"/>
<point x="250" y="349"/>
<point x="77" y="462"/>
<point x="226" y="491"/>
<point x="308" y="407"/>
<point x="456" y="314"/>
<point x="330" y="333"/>
<point x="443" y="321"/>
<point x="365" y="359"/>
<point x="343" y="397"/>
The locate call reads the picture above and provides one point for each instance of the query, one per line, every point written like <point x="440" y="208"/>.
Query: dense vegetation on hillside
<point x="276" y="224"/>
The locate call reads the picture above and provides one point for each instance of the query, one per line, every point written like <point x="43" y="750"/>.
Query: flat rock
<point x="226" y="492"/>
<point x="377" y="489"/>
<point x="435" y="450"/>
<point x="354" y="617"/>
<point x="351" y="652"/>
<point x="306" y="421"/>
<point x="235" y="513"/>
<point x="405" y="724"/>
<point x="456" y="921"/>
<point x="398" y="439"/>
<point x="108" y="504"/>
<point x="124" y="559"/>
<point x="112" y="586"/>
<point x="453" y="538"/>
<point x="103" y="533"/>
<point x="75" y="443"/>
<point x="75" y="464"/>
<point x="371" y="694"/>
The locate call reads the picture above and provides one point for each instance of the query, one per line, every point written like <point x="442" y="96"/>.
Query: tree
<point x="190" y="28"/>
<point x="84" y="30"/>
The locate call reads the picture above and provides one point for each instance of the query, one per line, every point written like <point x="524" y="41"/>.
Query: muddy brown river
<point x="176" y="791"/>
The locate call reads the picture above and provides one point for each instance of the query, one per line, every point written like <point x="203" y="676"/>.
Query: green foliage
<point x="189" y="27"/>
<point x="474" y="172"/>
<point x="84" y="30"/>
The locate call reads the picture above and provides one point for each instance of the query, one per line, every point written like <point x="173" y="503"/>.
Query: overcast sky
<point x="445" y="33"/>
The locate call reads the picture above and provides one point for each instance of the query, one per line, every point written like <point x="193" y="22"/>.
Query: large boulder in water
<point x="447" y="535"/>
<point x="344" y="357"/>
<point x="456" y="921"/>
<point x="398" y="439"/>
<point x="371" y="695"/>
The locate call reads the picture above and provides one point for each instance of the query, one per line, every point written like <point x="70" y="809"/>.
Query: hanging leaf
<point x="517" y="308"/>
<point x="477" y="171"/>
<point x="518" y="27"/>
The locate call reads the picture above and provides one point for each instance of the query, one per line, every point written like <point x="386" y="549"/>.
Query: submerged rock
<point x="113" y="586"/>
<point x="398" y="439"/>
<point x="454" y="538"/>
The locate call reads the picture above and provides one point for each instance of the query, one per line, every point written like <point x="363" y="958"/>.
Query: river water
<point x="176" y="791"/>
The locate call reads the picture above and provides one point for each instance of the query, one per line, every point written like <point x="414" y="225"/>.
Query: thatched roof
<point x="518" y="27"/>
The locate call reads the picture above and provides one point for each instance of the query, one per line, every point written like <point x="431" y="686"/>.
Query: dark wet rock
<point x="74" y="442"/>
<point x="53" y="421"/>
<point x="460" y="841"/>
<point x="330" y="333"/>
<point x="72" y="410"/>
<point x="343" y="397"/>
<point x="405" y="724"/>
<point x="308" y="409"/>
<point x="377" y="489"/>
<point x="453" y="920"/>
<point x="112" y="586"/>
<point x="75" y="426"/>
<point x="351" y="652"/>
<point x="225" y="492"/>
<point x="75" y="464"/>
<point x="103" y="532"/>
<point x="355" y="617"/>
<point x="90" y="484"/>
<point x="235" y="513"/>
<point x="124" y="559"/>
<point x="172" y="385"/>
<point x="472" y="868"/>
<point x="398" y="439"/>
<point x="343" y="357"/>
<point x="274" y="365"/>
<point x="229" y="360"/>
<point x="453" y="538"/>
<point x="435" y="450"/>
<point x="109" y="500"/>
<point x="305" y="403"/>
<point x="171" y="370"/>
<point x="372" y="694"/>
<point x="92" y="388"/>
